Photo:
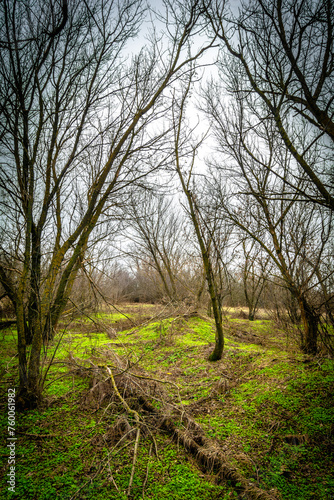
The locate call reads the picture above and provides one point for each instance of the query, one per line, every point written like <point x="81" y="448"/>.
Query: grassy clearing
<point x="268" y="408"/>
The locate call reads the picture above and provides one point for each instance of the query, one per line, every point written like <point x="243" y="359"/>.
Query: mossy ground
<point x="269" y="408"/>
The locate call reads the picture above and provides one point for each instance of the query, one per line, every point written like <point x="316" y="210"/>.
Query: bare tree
<point x="281" y="54"/>
<point x="79" y="126"/>
<point x="185" y="154"/>
<point x="253" y="190"/>
<point x="159" y="238"/>
<point x="255" y="269"/>
<point x="220" y="241"/>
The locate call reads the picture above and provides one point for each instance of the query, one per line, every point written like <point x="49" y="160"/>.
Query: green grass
<point x="57" y="467"/>
<point x="270" y="410"/>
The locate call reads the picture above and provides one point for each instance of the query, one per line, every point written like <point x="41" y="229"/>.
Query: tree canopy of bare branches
<point x="281" y="60"/>
<point x="81" y="121"/>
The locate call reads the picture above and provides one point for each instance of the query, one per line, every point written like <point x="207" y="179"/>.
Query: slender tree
<point x="255" y="268"/>
<point x="185" y="149"/>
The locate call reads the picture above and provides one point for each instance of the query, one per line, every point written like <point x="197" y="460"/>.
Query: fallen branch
<point x="182" y="428"/>
<point x="205" y="451"/>
<point x="136" y="416"/>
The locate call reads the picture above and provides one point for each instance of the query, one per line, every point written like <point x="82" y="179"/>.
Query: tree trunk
<point x="293" y="310"/>
<point x="21" y="341"/>
<point x="28" y="394"/>
<point x="34" y="365"/>
<point x="204" y="247"/>
<point x="219" y="345"/>
<point x="310" y="322"/>
<point x="251" y="314"/>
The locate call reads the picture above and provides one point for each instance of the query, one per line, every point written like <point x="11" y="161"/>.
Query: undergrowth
<point x="267" y="408"/>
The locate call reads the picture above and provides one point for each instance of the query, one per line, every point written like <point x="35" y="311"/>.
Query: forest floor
<point x="259" y="423"/>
